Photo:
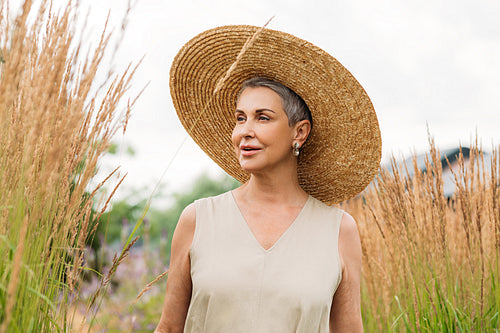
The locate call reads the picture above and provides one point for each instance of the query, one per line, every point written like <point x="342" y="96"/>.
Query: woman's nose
<point x="247" y="130"/>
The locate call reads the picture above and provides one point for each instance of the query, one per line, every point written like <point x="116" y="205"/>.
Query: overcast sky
<point x="421" y="62"/>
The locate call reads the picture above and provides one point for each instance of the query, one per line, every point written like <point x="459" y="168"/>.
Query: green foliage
<point x="160" y="222"/>
<point x="202" y="187"/>
<point x="130" y="150"/>
<point x="111" y="224"/>
<point x="114" y="149"/>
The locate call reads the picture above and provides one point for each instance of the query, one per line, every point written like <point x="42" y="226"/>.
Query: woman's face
<point x="262" y="138"/>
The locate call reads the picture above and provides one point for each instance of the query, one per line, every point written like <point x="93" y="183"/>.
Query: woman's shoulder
<point x="214" y="200"/>
<point x="319" y="206"/>
<point x="348" y="226"/>
<point x="187" y="220"/>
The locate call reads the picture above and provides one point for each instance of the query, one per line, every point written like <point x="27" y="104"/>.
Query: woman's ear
<point x="302" y="130"/>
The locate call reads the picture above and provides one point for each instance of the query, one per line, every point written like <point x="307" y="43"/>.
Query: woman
<point x="270" y="256"/>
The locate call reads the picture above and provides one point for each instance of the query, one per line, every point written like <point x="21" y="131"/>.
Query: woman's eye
<point x="263" y="118"/>
<point x="240" y="118"/>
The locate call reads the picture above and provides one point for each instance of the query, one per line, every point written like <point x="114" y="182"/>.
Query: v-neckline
<point x="283" y="235"/>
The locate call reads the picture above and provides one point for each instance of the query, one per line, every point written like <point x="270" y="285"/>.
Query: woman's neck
<point x="283" y="189"/>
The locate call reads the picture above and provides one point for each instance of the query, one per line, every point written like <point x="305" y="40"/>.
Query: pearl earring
<point x="296" y="151"/>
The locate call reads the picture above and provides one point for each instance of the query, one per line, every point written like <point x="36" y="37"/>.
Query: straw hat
<point x="341" y="155"/>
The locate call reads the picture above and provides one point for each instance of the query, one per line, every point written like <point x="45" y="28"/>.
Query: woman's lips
<point x="249" y="150"/>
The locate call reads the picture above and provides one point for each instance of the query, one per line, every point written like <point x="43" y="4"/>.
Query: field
<point x="430" y="262"/>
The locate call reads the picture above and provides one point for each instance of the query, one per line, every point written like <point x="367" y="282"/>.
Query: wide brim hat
<point x="343" y="151"/>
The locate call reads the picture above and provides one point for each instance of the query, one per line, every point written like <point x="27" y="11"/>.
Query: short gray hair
<point x="295" y="107"/>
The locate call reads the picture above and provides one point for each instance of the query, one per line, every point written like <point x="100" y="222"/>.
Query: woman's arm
<point x="179" y="284"/>
<point x="345" y="315"/>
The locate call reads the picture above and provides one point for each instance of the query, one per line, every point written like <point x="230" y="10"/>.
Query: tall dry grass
<point x="431" y="264"/>
<point x="56" y="121"/>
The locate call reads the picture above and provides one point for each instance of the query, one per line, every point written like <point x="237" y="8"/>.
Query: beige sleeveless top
<point x="238" y="286"/>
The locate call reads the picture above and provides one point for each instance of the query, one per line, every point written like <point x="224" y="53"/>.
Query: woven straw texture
<point x="343" y="151"/>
